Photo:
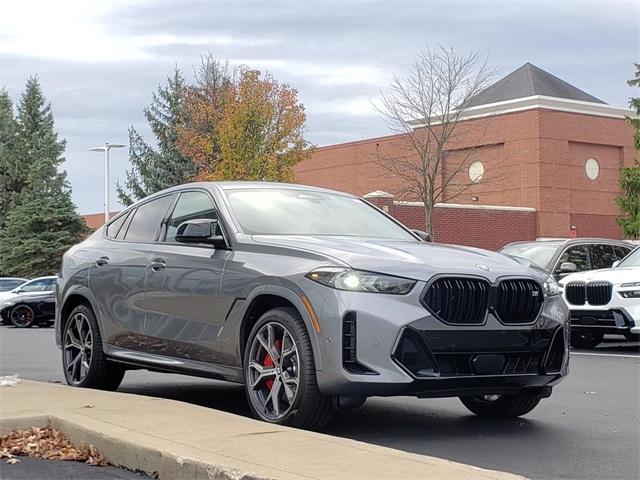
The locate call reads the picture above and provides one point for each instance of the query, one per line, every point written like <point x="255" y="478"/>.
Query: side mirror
<point x="615" y="264"/>
<point x="568" y="267"/>
<point x="424" y="236"/>
<point x="200" y="231"/>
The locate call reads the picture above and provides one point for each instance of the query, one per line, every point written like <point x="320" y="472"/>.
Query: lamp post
<point x="105" y="148"/>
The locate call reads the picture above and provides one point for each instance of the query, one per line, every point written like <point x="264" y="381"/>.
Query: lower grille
<point x="599" y="293"/>
<point x="458" y="300"/>
<point x="519" y="301"/>
<point x="575" y="293"/>
<point x="505" y="364"/>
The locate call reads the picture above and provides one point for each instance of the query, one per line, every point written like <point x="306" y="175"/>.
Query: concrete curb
<point x="179" y="441"/>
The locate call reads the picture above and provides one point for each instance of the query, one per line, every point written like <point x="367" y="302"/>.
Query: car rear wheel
<point x="502" y="406"/>
<point x="586" y="339"/>
<point x="22" y="316"/>
<point x="279" y="372"/>
<point x="83" y="360"/>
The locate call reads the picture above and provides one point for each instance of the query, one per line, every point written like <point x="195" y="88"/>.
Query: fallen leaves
<point x="46" y="443"/>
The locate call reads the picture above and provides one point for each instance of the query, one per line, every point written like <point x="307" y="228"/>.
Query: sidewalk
<point x="182" y="441"/>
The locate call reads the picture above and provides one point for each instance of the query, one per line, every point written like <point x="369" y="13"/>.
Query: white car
<point x="604" y="301"/>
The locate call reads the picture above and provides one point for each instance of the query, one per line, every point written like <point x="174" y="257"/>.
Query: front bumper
<point x="401" y="349"/>
<point x="614" y="320"/>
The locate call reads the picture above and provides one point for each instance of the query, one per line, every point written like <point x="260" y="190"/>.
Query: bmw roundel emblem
<point x="483" y="267"/>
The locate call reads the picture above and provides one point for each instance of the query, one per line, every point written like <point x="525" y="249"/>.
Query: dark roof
<point x="526" y="81"/>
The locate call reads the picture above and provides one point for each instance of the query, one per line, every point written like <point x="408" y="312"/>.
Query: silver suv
<point x="313" y="299"/>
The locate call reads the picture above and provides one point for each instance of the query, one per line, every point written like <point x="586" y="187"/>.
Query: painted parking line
<point x="619" y="355"/>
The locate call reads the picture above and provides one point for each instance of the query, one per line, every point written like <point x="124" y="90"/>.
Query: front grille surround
<point x="518" y="301"/>
<point x="596" y="293"/>
<point x="458" y="300"/>
<point x="512" y="300"/>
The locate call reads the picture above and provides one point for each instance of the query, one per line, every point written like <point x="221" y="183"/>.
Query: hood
<point x="416" y="260"/>
<point x="614" y="275"/>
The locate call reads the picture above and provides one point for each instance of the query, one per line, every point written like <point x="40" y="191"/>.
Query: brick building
<point x="546" y="154"/>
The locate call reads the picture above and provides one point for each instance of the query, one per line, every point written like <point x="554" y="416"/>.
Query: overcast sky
<point x="99" y="61"/>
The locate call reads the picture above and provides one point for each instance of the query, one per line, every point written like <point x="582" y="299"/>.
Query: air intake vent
<point x="575" y="293"/>
<point x="519" y="301"/>
<point x="599" y="293"/>
<point x="458" y="300"/>
<point x="349" y="346"/>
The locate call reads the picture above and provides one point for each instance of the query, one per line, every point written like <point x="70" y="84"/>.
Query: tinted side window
<point x="114" y="226"/>
<point x="36" y="286"/>
<point x="147" y="219"/>
<point x="6" y="285"/>
<point x="621" y="252"/>
<point x="602" y="256"/>
<point x="579" y="255"/>
<point x="190" y="206"/>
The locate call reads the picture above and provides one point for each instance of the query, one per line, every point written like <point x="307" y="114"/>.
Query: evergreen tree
<point x="154" y="169"/>
<point x="629" y="201"/>
<point x="9" y="173"/>
<point x="42" y="221"/>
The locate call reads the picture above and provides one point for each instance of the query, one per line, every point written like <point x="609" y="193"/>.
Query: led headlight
<point x="630" y="284"/>
<point x="360" y="281"/>
<point x="550" y="287"/>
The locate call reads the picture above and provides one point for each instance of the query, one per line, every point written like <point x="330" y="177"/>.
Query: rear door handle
<point x="158" y="264"/>
<point x="102" y="261"/>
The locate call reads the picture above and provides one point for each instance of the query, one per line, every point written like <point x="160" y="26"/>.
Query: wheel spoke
<point x="263" y="374"/>
<point x="274" y="394"/>
<point x="289" y="392"/>
<point x="286" y="351"/>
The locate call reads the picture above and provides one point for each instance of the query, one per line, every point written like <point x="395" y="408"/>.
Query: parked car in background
<point x="32" y="303"/>
<point x="311" y="298"/>
<point x="604" y="301"/>
<point x="9" y="283"/>
<point x="564" y="257"/>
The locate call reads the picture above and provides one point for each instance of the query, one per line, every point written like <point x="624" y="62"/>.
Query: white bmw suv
<point x="604" y="301"/>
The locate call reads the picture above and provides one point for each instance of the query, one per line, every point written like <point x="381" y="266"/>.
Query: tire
<point x="504" y="406"/>
<point x="22" y="316"/>
<point x="586" y="339"/>
<point x="305" y="407"/>
<point x="83" y="360"/>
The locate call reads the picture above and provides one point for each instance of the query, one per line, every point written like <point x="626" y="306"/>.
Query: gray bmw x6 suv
<point x="313" y="299"/>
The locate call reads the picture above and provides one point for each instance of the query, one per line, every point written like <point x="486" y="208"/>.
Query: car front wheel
<point x="502" y="406"/>
<point x="22" y="316"/>
<point x="279" y="372"/>
<point x="586" y="339"/>
<point x="84" y="362"/>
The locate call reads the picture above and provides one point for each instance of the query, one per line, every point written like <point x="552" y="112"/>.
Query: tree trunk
<point x="428" y="214"/>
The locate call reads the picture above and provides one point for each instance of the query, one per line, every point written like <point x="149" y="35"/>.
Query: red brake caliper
<point x="268" y="362"/>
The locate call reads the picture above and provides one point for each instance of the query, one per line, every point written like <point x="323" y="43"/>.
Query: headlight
<point x="550" y="287"/>
<point x="631" y="294"/>
<point x="631" y="284"/>
<point x="360" y="281"/>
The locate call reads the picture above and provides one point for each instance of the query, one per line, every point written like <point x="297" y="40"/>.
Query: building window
<point x="592" y="168"/>
<point x="476" y="171"/>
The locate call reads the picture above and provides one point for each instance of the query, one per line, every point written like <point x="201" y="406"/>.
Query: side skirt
<point x="183" y="366"/>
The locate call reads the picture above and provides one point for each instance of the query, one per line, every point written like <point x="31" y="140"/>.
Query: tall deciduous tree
<point x="42" y="221"/>
<point x="154" y="169"/>
<point x="253" y="129"/>
<point x="426" y="108"/>
<point x="629" y="201"/>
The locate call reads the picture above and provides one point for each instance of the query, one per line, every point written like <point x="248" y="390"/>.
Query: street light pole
<point x="106" y="148"/>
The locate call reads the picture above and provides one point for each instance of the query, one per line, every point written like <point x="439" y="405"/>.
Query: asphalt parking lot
<point x="589" y="428"/>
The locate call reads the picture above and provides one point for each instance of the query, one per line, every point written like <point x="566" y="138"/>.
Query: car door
<point x="117" y="277"/>
<point x="576" y="254"/>
<point x="184" y="309"/>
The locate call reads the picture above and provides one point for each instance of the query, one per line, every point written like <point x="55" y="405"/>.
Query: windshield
<point x="305" y="212"/>
<point x="631" y="260"/>
<point x="538" y="253"/>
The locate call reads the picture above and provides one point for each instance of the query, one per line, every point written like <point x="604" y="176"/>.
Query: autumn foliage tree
<point x="242" y="125"/>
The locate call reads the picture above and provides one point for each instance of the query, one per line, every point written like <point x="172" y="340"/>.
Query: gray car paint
<point x="189" y="316"/>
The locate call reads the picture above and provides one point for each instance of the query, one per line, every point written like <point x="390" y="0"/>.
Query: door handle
<point x="158" y="264"/>
<point x="102" y="261"/>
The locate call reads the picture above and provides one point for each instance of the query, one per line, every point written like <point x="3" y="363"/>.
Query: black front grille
<point x="520" y="363"/>
<point x="576" y="293"/>
<point x="599" y="293"/>
<point x="458" y="300"/>
<point x="518" y="301"/>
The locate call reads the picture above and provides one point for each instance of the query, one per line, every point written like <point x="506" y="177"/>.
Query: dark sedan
<point x="33" y="303"/>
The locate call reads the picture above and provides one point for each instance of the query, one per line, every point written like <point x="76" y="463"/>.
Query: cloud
<point x="100" y="61"/>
